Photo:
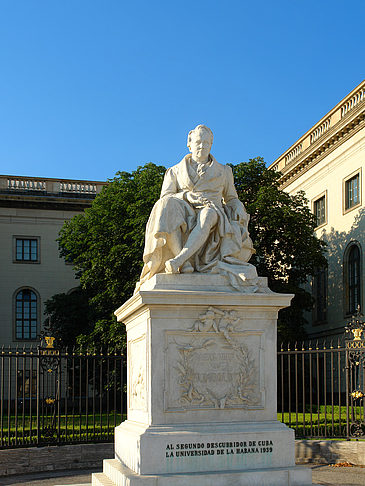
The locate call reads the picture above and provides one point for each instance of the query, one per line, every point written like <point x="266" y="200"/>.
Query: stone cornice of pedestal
<point x="157" y="298"/>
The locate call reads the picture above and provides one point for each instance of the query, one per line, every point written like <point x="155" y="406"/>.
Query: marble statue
<point x="201" y="340"/>
<point x="199" y="224"/>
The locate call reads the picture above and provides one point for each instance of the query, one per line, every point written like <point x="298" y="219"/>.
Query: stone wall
<point x="330" y="451"/>
<point x="38" y="459"/>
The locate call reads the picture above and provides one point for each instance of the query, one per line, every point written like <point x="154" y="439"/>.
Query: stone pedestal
<point x="202" y="388"/>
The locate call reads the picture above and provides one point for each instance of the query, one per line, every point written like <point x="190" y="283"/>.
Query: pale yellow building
<point x="327" y="163"/>
<point x="32" y="212"/>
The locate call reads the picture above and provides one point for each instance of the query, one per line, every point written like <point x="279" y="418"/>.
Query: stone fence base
<point x="39" y="459"/>
<point x="330" y="451"/>
<point x="90" y="456"/>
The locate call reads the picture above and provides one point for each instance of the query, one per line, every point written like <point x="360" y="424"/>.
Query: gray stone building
<point x="32" y="212"/>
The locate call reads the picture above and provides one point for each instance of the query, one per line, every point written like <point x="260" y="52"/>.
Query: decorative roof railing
<point x="16" y="184"/>
<point x="332" y="127"/>
<point x="293" y="153"/>
<point x="78" y="187"/>
<point x="46" y="186"/>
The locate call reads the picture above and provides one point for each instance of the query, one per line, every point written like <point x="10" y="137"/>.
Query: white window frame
<point x="344" y="186"/>
<point x="317" y="198"/>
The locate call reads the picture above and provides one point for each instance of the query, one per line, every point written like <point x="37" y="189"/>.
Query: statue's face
<point x="200" y="145"/>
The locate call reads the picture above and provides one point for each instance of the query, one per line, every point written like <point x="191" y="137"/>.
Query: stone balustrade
<point x="46" y="186"/>
<point x="353" y="101"/>
<point x="17" y="184"/>
<point x="293" y="153"/>
<point x="78" y="187"/>
<point x="320" y="130"/>
<point x="334" y="121"/>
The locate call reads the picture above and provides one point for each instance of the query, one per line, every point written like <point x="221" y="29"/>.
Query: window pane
<point x="26" y="249"/>
<point x="26" y="314"/>
<point x="25" y="296"/>
<point x="320" y="210"/>
<point x="33" y="250"/>
<point x="352" y="193"/>
<point x="19" y="250"/>
<point x="353" y="279"/>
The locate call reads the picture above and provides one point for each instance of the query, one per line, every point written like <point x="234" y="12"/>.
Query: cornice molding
<point x="336" y="127"/>
<point x="321" y="149"/>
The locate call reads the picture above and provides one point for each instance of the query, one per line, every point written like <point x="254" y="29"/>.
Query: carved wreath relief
<point x="213" y="364"/>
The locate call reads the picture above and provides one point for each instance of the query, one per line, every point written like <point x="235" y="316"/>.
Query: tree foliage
<point x="282" y="229"/>
<point x="69" y="315"/>
<point x="106" y="243"/>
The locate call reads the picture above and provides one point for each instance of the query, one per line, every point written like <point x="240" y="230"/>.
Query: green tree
<point x="68" y="316"/>
<point x="282" y="229"/>
<point x="106" y="243"/>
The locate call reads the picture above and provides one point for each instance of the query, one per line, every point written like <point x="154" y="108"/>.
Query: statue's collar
<point x="210" y="162"/>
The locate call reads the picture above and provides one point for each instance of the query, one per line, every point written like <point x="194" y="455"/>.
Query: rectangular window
<point x="352" y="192"/>
<point x="319" y="209"/>
<point x="26" y="249"/>
<point x="320" y="296"/>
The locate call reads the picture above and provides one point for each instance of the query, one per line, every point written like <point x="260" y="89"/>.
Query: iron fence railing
<point x="321" y="389"/>
<point x="312" y="389"/>
<point x="56" y="396"/>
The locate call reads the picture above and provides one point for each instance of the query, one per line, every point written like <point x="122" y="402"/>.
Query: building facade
<point x="32" y="212"/>
<point x="327" y="163"/>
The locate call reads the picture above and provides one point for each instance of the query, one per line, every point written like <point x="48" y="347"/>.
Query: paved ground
<point x="322" y="475"/>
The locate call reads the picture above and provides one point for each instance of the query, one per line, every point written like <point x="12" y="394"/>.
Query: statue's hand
<point x="238" y="212"/>
<point x="197" y="199"/>
<point x="239" y="215"/>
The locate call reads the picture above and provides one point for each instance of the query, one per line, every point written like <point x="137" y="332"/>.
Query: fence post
<point x="38" y="396"/>
<point x="347" y="368"/>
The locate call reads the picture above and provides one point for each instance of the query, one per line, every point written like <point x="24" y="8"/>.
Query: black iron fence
<point x="55" y="396"/>
<point x="312" y="389"/>
<point x="321" y="389"/>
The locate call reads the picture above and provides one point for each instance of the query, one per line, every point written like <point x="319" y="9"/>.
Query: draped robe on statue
<point x="228" y="247"/>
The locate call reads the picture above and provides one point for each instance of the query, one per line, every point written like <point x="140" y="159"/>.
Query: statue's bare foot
<point x="171" y="266"/>
<point x="187" y="268"/>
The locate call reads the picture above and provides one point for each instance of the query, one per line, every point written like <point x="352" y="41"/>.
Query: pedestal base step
<point x="115" y="474"/>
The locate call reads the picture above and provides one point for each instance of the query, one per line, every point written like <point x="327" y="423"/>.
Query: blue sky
<point x="90" y="87"/>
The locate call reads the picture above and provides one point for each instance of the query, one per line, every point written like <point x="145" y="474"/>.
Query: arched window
<point x="353" y="278"/>
<point x="26" y="314"/>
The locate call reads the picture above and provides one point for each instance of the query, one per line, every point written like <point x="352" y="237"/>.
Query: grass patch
<point x="323" y="421"/>
<point x="71" y="428"/>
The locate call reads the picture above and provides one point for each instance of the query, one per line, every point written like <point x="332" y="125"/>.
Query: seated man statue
<point x="199" y="224"/>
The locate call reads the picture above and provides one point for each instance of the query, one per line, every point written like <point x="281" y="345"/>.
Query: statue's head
<point x="200" y="142"/>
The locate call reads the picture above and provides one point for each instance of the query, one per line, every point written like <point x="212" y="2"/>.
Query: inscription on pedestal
<point x="137" y="393"/>
<point x="221" y="448"/>
<point x="214" y="365"/>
